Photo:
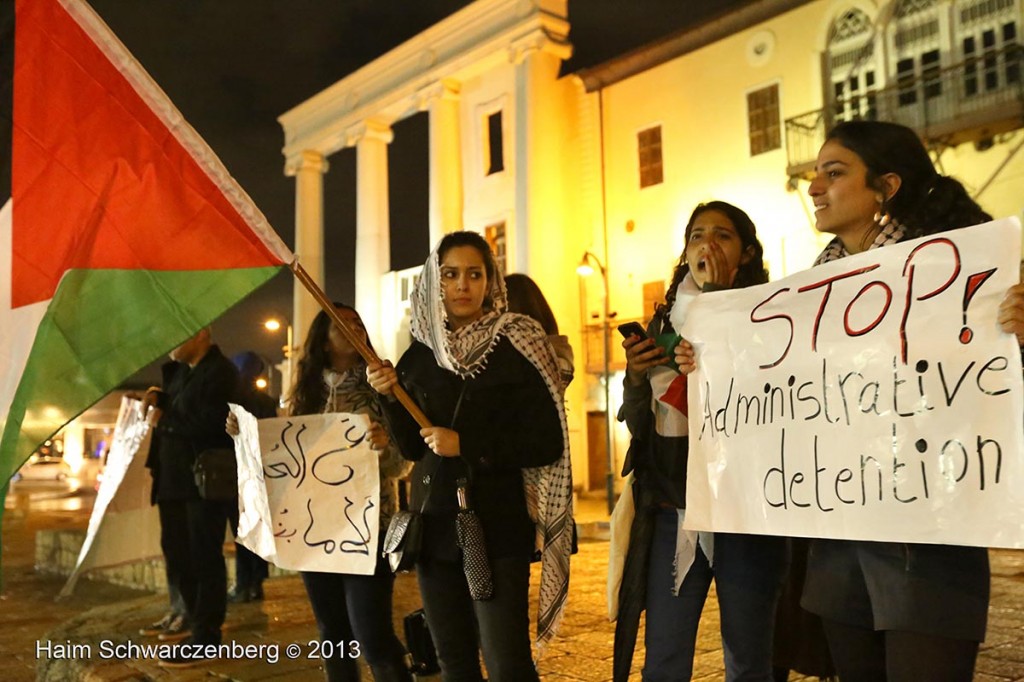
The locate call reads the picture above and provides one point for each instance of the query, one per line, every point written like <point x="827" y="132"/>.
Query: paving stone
<point x="582" y="653"/>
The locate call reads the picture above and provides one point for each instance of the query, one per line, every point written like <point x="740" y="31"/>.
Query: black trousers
<point x="500" y="625"/>
<point x="353" y="615"/>
<point x="181" y="577"/>
<point x="863" y="655"/>
<point x="250" y="568"/>
<point x="207" y="525"/>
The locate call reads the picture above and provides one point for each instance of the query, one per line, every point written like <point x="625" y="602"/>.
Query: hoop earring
<point x="882" y="219"/>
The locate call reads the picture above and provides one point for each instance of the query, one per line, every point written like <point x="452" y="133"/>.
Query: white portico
<point x="494" y="56"/>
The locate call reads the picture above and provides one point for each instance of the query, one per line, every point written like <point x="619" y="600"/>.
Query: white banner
<point x="124" y="527"/>
<point x="308" y="491"/>
<point x="871" y="398"/>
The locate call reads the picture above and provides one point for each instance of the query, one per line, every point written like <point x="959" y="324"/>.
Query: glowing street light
<point x="585" y="269"/>
<point x="274" y="325"/>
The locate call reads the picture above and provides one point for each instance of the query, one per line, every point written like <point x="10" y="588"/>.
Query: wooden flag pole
<point x="356" y="340"/>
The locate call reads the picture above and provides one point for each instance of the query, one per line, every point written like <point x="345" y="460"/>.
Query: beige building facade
<point x="611" y="160"/>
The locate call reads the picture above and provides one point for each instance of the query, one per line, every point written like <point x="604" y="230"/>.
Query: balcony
<point x="968" y="102"/>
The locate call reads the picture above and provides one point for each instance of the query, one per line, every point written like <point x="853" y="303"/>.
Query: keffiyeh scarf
<point x="464" y="351"/>
<point x="890" y="234"/>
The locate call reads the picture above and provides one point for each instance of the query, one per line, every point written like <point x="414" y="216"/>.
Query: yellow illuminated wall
<point x="699" y="100"/>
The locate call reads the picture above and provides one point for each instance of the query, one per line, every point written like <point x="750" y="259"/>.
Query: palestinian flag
<point x="121" y="234"/>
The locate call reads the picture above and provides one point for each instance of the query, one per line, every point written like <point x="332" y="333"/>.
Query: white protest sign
<point x="308" y="491"/>
<point x="870" y="398"/>
<point x="124" y="526"/>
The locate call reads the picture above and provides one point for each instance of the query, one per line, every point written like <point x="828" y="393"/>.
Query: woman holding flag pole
<point x="490" y="381"/>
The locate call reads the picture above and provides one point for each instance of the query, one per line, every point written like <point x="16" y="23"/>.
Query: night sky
<point x="233" y="66"/>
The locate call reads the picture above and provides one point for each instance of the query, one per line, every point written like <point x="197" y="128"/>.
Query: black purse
<point x="420" y="644"/>
<point x="403" y="540"/>
<point x="216" y="474"/>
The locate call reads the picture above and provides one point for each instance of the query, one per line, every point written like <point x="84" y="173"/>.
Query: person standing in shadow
<point x="250" y="569"/>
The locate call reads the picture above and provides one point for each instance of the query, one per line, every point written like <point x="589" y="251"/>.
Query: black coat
<point x="194" y="402"/>
<point x="932" y="589"/>
<point x="507" y="420"/>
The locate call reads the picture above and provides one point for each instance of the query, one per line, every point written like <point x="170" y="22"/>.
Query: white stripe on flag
<point x="17" y="327"/>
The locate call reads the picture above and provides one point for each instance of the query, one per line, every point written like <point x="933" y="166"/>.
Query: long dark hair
<point x="750" y="273"/>
<point x="926" y="202"/>
<point x="308" y="394"/>
<point x="524" y="296"/>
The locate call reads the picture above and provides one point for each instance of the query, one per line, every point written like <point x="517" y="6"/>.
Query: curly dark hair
<point x="926" y="202"/>
<point x="750" y="273"/>
<point x="308" y="395"/>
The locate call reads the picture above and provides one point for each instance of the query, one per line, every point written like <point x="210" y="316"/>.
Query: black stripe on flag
<point x="6" y="96"/>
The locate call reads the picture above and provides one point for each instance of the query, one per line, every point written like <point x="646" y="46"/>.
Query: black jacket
<point x="506" y="421"/>
<point x="658" y="462"/>
<point x="194" y="402"/>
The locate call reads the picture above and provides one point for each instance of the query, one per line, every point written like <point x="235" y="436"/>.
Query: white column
<point x="445" y="161"/>
<point x="373" y="243"/>
<point x="308" y="168"/>
<point x="537" y="147"/>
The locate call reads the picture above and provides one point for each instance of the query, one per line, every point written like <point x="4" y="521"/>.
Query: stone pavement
<point x="583" y="651"/>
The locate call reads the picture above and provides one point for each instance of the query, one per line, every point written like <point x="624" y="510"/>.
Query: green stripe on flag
<point x="100" y="328"/>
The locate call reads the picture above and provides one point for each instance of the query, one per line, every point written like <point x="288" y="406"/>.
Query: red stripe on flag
<point x="98" y="179"/>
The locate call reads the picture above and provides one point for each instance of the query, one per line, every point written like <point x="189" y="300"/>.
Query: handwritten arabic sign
<point x="308" y="491"/>
<point x="873" y="398"/>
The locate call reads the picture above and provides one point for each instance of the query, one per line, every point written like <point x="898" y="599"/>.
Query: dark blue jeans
<point x="355" y="608"/>
<point x="748" y="575"/>
<point x="501" y="625"/>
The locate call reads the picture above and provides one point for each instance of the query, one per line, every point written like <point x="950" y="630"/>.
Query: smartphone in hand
<point x="632" y="329"/>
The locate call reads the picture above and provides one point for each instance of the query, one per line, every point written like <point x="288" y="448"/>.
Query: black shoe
<point x="185" y="655"/>
<point x="159" y="626"/>
<point x="239" y="594"/>
<point x="176" y="631"/>
<point x="256" y="592"/>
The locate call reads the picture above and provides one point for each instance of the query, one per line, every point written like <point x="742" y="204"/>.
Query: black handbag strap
<point x="430" y="476"/>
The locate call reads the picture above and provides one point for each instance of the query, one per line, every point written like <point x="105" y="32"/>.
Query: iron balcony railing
<point x="968" y="102"/>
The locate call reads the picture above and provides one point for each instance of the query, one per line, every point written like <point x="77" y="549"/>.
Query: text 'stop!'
<point x="871" y="398"/>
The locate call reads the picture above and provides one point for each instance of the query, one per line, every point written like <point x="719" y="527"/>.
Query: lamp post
<point x="289" y="354"/>
<point x="585" y="269"/>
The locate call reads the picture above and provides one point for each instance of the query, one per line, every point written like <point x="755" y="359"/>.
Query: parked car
<point x="43" y="469"/>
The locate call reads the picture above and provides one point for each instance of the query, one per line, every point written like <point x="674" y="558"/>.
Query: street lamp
<point x="289" y="354"/>
<point x="585" y="269"/>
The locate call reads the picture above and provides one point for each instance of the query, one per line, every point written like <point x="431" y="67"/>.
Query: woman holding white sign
<point x="668" y="571"/>
<point x="895" y="611"/>
<point x="489" y="382"/>
<point x="353" y="612"/>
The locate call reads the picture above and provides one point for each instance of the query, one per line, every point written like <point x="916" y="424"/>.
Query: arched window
<point x="851" y="63"/>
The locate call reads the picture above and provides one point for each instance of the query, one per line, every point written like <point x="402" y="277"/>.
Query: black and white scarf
<point x="464" y="351"/>
<point x="890" y="234"/>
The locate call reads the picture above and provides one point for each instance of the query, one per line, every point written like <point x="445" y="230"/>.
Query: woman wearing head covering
<point x="488" y="380"/>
